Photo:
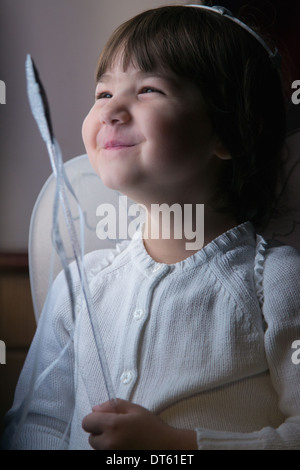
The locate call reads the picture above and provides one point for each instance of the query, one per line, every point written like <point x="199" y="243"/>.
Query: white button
<point x="126" y="377"/>
<point x="138" y="314"/>
<point x="157" y="267"/>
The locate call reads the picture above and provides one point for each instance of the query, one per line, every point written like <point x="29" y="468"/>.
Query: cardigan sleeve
<point x="44" y="402"/>
<point x="44" y="398"/>
<point x="281" y="311"/>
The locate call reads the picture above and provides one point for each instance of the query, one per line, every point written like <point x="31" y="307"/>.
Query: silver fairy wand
<point x="41" y="112"/>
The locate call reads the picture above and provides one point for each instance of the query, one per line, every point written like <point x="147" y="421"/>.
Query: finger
<point x="95" y="423"/>
<point x="95" y="442"/>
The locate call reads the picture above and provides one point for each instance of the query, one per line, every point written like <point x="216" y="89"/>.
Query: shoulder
<point x="282" y="263"/>
<point x="281" y="276"/>
<point x="67" y="288"/>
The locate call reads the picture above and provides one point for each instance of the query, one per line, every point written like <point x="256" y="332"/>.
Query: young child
<point x="200" y="344"/>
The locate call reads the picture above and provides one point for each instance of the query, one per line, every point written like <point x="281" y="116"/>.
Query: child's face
<point x="148" y="136"/>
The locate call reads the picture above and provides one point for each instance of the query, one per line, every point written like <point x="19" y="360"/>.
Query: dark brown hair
<point x="240" y="85"/>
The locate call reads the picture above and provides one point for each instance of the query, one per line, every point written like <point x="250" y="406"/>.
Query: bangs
<point x="155" y="40"/>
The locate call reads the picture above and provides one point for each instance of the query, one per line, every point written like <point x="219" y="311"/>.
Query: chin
<point x="115" y="181"/>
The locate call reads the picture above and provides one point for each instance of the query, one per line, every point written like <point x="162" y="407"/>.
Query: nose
<point x="114" y="113"/>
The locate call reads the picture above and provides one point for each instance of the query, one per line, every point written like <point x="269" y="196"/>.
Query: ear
<point x="221" y="151"/>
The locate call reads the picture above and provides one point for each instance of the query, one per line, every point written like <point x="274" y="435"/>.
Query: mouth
<point x="115" y="145"/>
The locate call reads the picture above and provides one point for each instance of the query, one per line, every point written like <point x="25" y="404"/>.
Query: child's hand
<point x="132" y="427"/>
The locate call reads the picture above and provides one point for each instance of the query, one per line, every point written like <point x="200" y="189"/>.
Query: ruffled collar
<point x="234" y="237"/>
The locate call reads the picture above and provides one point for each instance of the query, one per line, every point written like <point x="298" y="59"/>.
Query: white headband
<point x="274" y="55"/>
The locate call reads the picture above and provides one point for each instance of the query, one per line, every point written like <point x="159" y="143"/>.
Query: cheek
<point x="88" y="131"/>
<point x="162" y="128"/>
<point x="183" y="141"/>
<point x="170" y="135"/>
<point x="85" y="131"/>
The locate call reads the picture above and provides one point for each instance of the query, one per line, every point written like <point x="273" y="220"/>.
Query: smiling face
<point x="148" y="136"/>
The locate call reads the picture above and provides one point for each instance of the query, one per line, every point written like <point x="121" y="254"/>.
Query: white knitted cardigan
<point x="206" y="343"/>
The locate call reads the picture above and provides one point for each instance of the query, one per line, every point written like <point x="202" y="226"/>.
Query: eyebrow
<point x="103" y="78"/>
<point x="164" y="76"/>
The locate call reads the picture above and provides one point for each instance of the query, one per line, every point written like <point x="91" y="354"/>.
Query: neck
<point x="174" y="236"/>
